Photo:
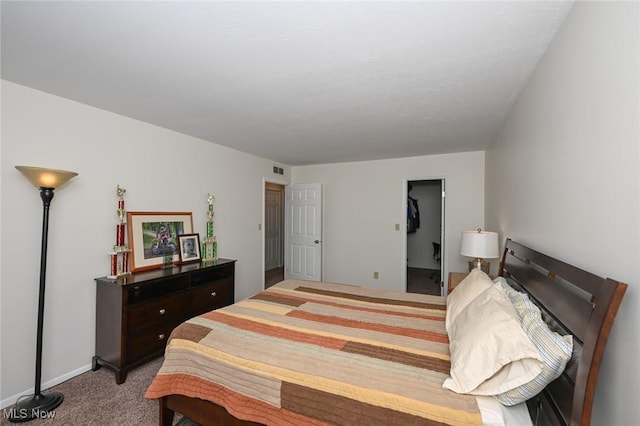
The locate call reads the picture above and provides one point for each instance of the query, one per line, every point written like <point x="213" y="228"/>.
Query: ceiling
<point x="295" y="82"/>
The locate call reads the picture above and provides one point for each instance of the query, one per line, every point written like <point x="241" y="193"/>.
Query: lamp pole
<point x="38" y="405"/>
<point x="47" y="195"/>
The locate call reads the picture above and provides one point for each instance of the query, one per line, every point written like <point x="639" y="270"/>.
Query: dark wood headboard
<point x="573" y="301"/>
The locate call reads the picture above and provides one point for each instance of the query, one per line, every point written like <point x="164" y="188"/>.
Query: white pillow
<point x="511" y="292"/>
<point x="556" y="350"/>
<point x="469" y="288"/>
<point x="490" y="352"/>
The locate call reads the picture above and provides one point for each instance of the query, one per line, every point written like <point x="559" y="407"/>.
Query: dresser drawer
<point x="203" y="278"/>
<point x="156" y="288"/>
<point x="159" y="311"/>
<point x="212" y="296"/>
<point x="149" y="341"/>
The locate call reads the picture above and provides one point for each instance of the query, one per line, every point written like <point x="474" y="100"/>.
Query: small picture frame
<point x="189" y="248"/>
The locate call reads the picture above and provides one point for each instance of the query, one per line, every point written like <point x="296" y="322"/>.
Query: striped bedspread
<point x="307" y="353"/>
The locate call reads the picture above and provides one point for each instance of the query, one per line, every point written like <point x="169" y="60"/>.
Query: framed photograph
<point x="189" y="246"/>
<point x="153" y="236"/>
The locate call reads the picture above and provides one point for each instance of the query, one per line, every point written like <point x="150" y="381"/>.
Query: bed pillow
<point x="511" y="292"/>
<point x="555" y="350"/>
<point x="469" y="288"/>
<point x="490" y="352"/>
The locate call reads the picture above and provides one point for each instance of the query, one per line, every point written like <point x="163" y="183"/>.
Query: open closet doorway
<point x="273" y="233"/>
<point x="425" y="236"/>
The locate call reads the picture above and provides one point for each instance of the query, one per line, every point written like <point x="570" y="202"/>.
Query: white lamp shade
<point x="479" y="244"/>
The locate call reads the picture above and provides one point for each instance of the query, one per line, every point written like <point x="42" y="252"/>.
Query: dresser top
<point x="154" y="274"/>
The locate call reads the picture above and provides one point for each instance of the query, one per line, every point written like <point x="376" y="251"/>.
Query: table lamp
<point x="480" y="245"/>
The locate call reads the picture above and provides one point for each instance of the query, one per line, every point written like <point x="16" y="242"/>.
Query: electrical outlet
<point x="397" y="226"/>
<point x="375" y="275"/>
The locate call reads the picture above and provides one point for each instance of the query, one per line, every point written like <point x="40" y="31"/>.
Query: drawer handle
<point x="160" y="336"/>
<point x="213" y="294"/>
<point x="162" y="311"/>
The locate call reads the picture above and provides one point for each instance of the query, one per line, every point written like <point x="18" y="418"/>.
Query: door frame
<point x="444" y="276"/>
<point x="262" y="223"/>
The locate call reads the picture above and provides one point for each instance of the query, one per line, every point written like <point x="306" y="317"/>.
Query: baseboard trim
<point x="56" y="381"/>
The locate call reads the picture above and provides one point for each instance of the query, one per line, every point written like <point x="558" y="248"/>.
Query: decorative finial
<point x="120" y="191"/>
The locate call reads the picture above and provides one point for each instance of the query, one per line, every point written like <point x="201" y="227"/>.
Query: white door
<point x="272" y="230"/>
<point x="303" y="231"/>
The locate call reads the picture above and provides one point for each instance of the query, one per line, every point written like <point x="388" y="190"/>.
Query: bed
<point x="324" y="353"/>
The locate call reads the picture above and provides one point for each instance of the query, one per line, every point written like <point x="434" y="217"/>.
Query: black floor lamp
<point x="37" y="405"/>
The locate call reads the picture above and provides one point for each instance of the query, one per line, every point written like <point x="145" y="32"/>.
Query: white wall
<point x="161" y="170"/>
<point x="563" y="175"/>
<point x="364" y="200"/>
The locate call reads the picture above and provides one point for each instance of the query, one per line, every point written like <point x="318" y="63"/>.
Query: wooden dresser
<point x="136" y="314"/>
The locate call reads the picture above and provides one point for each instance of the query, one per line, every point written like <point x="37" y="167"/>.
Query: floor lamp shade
<point x="36" y="406"/>
<point x="480" y="245"/>
<point x="46" y="178"/>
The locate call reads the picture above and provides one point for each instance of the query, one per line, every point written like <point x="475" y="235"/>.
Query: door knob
<point x="317" y="241"/>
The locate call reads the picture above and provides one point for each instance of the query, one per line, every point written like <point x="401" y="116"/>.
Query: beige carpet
<point x="94" y="398"/>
